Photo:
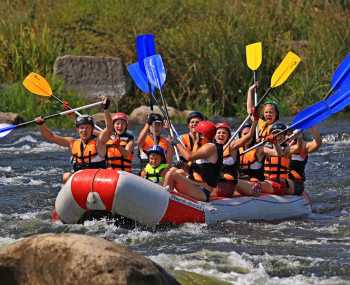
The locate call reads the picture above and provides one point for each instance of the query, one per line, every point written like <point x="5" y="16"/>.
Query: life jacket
<point x="230" y="165"/>
<point x="148" y="143"/>
<point x="263" y="129"/>
<point x="205" y="171"/>
<point x="250" y="166"/>
<point x="297" y="166"/>
<point x="189" y="144"/>
<point x="153" y="174"/>
<point x="85" y="155"/>
<point x="114" y="157"/>
<point x="276" y="168"/>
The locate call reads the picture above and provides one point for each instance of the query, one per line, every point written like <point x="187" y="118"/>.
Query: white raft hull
<point x="131" y="196"/>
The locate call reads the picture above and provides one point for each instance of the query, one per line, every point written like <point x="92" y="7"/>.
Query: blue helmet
<point x="156" y="149"/>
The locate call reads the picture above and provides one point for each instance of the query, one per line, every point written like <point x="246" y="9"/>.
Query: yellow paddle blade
<point x="254" y="55"/>
<point x="286" y="67"/>
<point x="37" y="84"/>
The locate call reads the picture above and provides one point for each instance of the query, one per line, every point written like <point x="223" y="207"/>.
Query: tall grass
<point x="202" y="43"/>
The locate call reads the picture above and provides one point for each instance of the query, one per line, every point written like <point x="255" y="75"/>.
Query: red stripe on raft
<point x="101" y="181"/>
<point x="178" y="213"/>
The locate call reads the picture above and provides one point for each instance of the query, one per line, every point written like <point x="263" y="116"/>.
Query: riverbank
<point x="202" y="43"/>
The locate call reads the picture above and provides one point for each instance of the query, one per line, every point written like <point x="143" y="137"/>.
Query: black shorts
<point x="206" y="193"/>
<point x="298" y="187"/>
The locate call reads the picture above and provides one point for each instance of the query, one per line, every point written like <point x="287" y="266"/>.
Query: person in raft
<point x="156" y="167"/>
<point x="229" y="173"/>
<point x="299" y="157"/>
<point x="251" y="164"/>
<point x="89" y="150"/>
<point x="119" y="149"/>
<point x="150" y="135"/>
<point x="207" y="163"/>
<point x="191" y="139"/>
<point x="277" y="160"/>
<point x="270" y="113"/>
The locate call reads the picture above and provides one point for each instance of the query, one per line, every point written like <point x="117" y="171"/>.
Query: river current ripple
<point x="315" y="250"/>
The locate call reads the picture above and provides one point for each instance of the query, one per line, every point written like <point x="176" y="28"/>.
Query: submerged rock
<point x="10" y="118"/>
<point x="76" y="259"/>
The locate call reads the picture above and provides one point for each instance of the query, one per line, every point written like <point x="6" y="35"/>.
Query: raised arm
<point x="203" y="152"/>
<point x="48" y="135"/>
<point x="250" y="97"/>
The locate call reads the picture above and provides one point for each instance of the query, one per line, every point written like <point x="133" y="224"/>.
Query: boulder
<point x="93" y="76"/>
<point x="76" y="259"/>
<point x="10" y="118"/>
<point x="139" y="115"/>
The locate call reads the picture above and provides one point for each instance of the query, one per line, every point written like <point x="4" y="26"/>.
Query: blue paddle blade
<point x="145" y="47"/>
<point x="139" y="77"/>
<point x="311" y="116"/>
<point x="155" y="70"/>
<point x="5" y="129"/>
<point x="341" y="76"/>
<point x="339" y="100"/>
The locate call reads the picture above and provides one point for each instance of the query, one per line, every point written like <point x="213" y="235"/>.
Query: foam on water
<point x="20" y="180"/>
<point x="6" y="169"/>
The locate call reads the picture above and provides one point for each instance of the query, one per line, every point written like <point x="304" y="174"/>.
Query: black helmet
<point x="84" y="119"/>
<point x="154" y="117"/>
<point x="195" y="114"/>
<point x="277" y="127"/>
<point x="245" y="125"/>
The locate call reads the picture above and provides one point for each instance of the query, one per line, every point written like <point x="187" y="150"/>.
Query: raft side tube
<point x="140" y="199"/>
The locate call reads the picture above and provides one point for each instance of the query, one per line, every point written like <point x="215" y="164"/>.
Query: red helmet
<point x="206" y="128"/>
<point x="223" y="125"/>
<point x="120" y="116"/>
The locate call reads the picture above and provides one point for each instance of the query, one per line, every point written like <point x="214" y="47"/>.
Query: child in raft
<point x="156" y="167"/>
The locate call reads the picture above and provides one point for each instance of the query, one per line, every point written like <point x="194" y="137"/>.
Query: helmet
<point x="154" y="117"/>
<point x="195" y="114"/>
<point x="120" y="116"/>
<point x="156" y="149"/>
<point x="275" y="104"/>
<point x="206" y="128"/>
<point x="277" y="127"/>
<point x="84" y="119"/>
<point x="224" y="125"/>
<point x="246" y="125"/>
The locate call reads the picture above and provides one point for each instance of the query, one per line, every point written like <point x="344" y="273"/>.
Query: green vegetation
<point x="202" y="43"/>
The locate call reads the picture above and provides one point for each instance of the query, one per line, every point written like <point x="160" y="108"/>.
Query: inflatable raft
<point x="125" y="194"/>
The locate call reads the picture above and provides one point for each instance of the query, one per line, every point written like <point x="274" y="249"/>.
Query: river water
<point x="315" y="250"/>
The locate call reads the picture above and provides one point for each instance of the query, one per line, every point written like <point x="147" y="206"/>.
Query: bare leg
<point x="184" y="185"/>
<point x="244" y="187"/>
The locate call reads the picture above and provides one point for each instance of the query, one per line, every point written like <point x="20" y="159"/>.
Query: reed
<point x="202" y="43"/>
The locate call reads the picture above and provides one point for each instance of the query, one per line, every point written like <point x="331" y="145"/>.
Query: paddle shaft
<point x="58" y="114"/>
<point x="76" y="112"/>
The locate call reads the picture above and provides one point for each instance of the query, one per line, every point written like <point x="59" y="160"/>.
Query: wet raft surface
<point x="312" y="251"/>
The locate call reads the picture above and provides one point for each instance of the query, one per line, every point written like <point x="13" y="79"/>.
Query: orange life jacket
<point x="163" y="142"/>
<point x="297" y="165"/>
<point x="250" y="166"/>
<point x="263" y="129"/>
<point x="276" y="168"/>
<point x="85" y="155"/>
<point x="114" y="157"/>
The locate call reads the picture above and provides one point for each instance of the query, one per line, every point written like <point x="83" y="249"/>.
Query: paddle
<point x="145" y="47"/>
<point x="156" y="75"/>
<point x="280" y="75"/>
<point x="7" y="128"/>
<point x="38" y="85"/>
<point x="254" y="58"/>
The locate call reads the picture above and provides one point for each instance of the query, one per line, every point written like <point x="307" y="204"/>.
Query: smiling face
<point x="270" y="113"/>
<point x="85" y="131"/>
<point x="119" y="126"/>
<point x="156" y="128"/>
<point x="222" y="135"/>
<point x="192" y="124"/>
<point x="154" y="159"/>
